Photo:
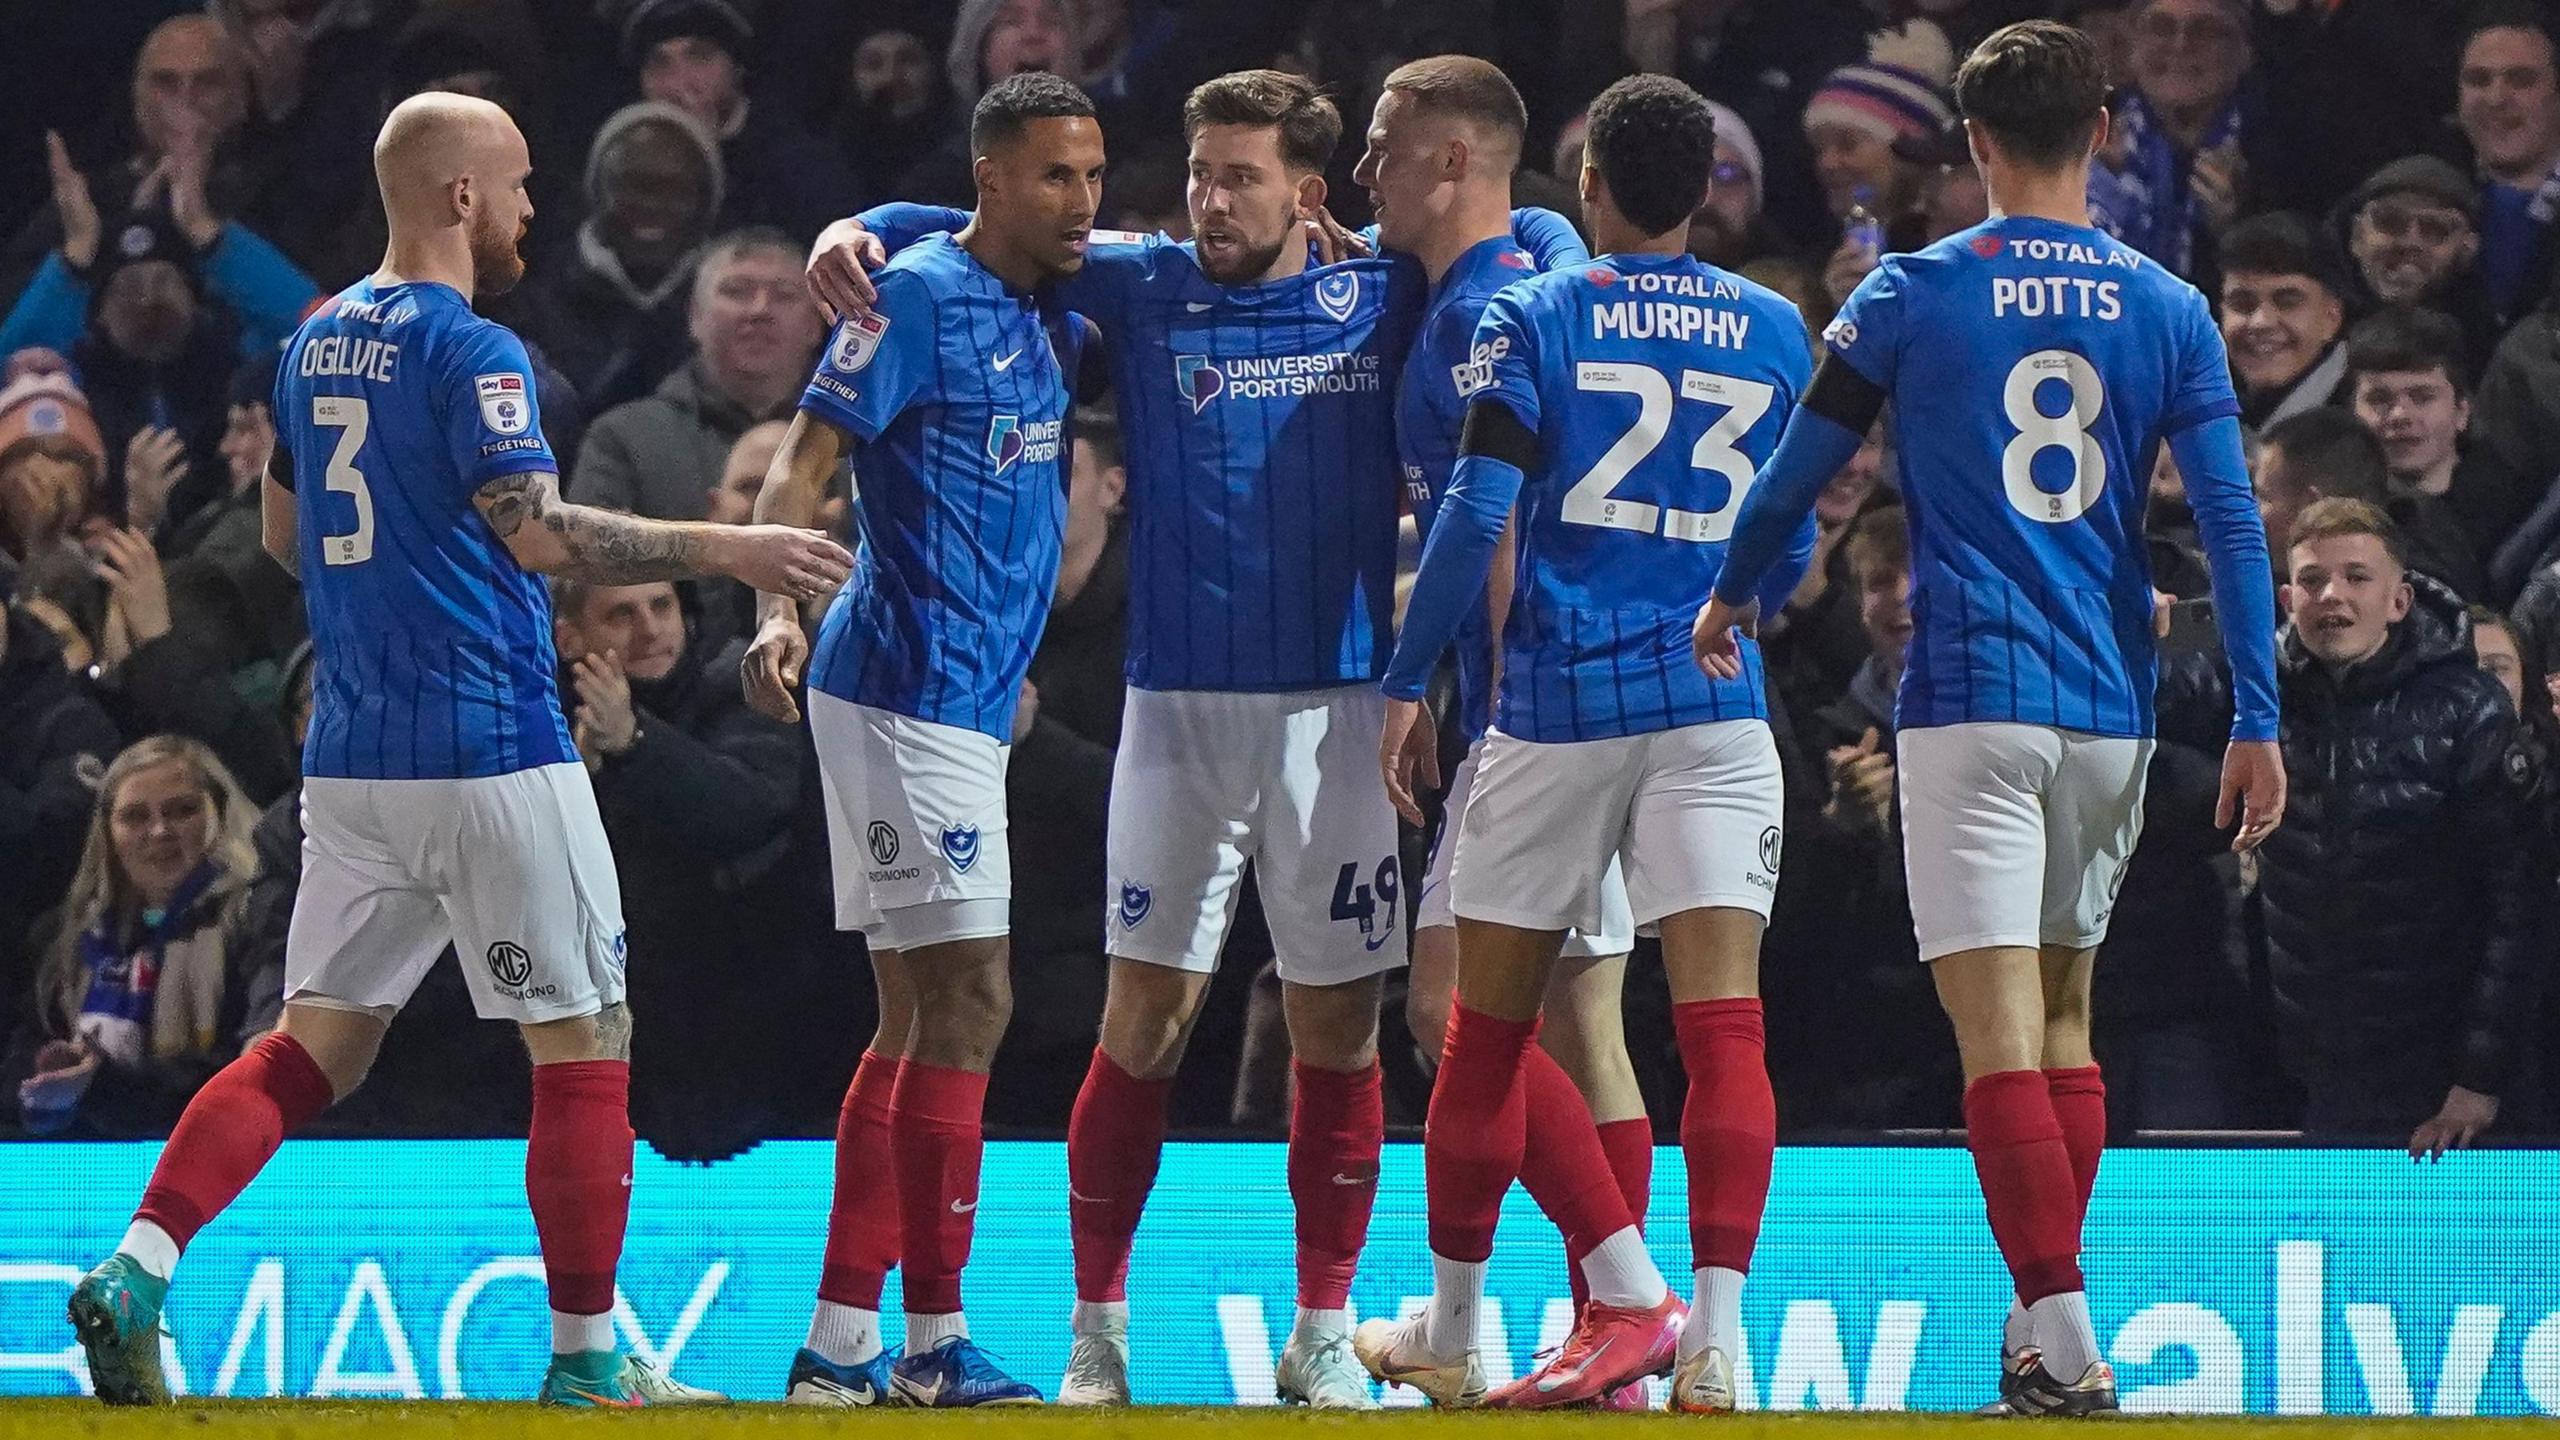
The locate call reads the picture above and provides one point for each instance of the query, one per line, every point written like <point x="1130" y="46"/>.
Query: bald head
<point x="190" y="82"/>
<point x="449" y="162"/>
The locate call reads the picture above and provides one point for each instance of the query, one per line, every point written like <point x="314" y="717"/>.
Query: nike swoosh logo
<point x="959" y="1209"/>
<point x="1083" y="1199"/>
<point x="920" y="1394"/>
<point x="1007" y="360"/>
<point x="1558" y="1379"/>
<point x="597" y="1397"/>
<point x="1342" y="1179"/>
<point x="1196" y="306"/>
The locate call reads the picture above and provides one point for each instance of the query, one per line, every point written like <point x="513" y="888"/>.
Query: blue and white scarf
<point x="2149" y="203"/>
<point x="124" y="980"/>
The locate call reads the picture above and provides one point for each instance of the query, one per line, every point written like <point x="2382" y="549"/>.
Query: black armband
<point x="1844" y="397"/>
<point x="1494" y="431"/>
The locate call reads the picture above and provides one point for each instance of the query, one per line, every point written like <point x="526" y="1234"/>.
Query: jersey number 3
<point x="1589" y="502"/>
<point x="2038" y="432"/>
<point x="353" y="420"/>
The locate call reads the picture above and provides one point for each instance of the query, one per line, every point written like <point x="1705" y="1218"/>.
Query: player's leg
<point x="1975" y="836"/>
<point x="362" y="935"/>
<point x="1181" y="787"/>
<point x="844" y="1361"/>
<point x="1337" y="1126"/>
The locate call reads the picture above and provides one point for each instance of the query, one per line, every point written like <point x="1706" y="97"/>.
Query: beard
<point x="496" y="263"/>
<point x="1249" y="265"/>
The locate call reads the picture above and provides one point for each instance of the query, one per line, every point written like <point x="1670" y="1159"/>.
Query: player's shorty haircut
<point x="2330" y="450"/>
<point x="1099" y="427"/>
<point x="728" y="245"/>
<point x="2037" y="87"/>
<point x="2332" y="518"/>
<point x="2409" y="338"/>
<point x="1474" y="90"/>
<point x="2278" y="243"/>
<point x="1309" y="125"/>
<point x="1880" y="540"/>
<point x="2509" y="15"/>
<point x="1009" y="107"/>
<point x="1653" y="140"/>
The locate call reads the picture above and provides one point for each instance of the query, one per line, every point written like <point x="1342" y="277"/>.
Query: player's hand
<point x="155" y="461"/>
<point x="72" y="203"/>
<point x="1712" y="639"/>
<point x="771" y="669"/>
<point x="2252" y="792"/>
<point x="1409" y="750"/>
<point x="1332" y="242"/>
<point x="604" y="691"/>
<point x="783" y="560"/>
<point x="2465" y="1115"/>
<point x="1026" y="712"/>
<point x="136" y="586"/>
<point x="840" y="267"/>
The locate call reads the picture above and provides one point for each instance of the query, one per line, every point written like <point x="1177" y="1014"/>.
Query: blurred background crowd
<point x="2368" y="190"/>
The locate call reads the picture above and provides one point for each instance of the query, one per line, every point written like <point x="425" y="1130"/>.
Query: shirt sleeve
<point x="876" y="364"/>
<point x="1502" y="361"/>
<point x="899" y="224"/>
<point x="1549" y="238"/>
<point x="2202" y="389"/>
<point x="1867" y="333"/>
<point x="492" y="423"/>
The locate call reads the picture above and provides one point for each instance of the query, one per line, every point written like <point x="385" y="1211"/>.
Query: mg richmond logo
<point x="1201" y="379"/>
<point x="1009" y="440"/>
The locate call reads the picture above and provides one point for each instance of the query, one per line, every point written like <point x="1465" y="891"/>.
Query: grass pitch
<point x="329" y="1420"/>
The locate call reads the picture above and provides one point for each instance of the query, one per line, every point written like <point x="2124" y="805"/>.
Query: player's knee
<point x="604" y="1035"/>
<point x="1426" y="1017"/>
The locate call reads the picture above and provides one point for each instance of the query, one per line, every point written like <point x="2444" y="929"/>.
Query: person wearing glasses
<point x="2171" y="176"/>
<point x="2412" y="230"/>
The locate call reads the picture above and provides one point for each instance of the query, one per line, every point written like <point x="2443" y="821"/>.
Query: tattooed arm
<point x="550" y="536"/>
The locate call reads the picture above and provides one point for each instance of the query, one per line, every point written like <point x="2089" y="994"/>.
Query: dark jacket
<point x="55" y="742"/>
<point x="710" y="783"/>
<point x="2404" y="897"/>
<point x="182" y="683"/>
<point x="608" y="346"/>
<point x="191" y="394"/>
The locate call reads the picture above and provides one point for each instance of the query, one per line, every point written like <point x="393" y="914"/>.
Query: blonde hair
<point x="101" y="891"/>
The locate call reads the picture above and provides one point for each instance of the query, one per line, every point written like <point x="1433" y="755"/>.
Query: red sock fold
<point x="1115" y="1141"/>
<point x="1336" y="1129"/>
<point x="1563" y="1165"/>
<point x="862" y="1217"/>
<point x="937" y="1131"/>
<point x="1728" y="1127"/>
<point x="1476" y="1129"/>
<point x="2079" y="1096"/>
<point x="1629" y="1146"/>
<point x="2026" y="1180"/>
<point x="577" y="1173"/>
<point x="230" y="1130"/>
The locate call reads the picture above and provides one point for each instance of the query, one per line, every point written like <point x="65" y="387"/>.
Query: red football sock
<point x="862" y="1218"/>
<point x="1728" y="1127"/>
<point x="229" y="1130"/>
<point x="1475" y="1131"/>
<point x="936" y="1122"/>
<point x="577" y="1173"/>
<point x="1336" y="1129"/>
<point x="2080" y="1104"/>
<point x="1115" y="1140"/>
<point x="1629" y="1146"/>
<point x="1563" y="1166"/>
<point x="2026" y="1181"/>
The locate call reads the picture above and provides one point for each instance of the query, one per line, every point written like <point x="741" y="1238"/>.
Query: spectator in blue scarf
<point x="2171" y="177"/>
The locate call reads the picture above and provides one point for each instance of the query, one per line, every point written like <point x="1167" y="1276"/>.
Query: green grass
<point x="328" y="1420"/>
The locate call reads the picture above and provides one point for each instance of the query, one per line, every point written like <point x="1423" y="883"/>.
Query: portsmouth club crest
<point x="1198" y="380"/>
<point x="1338" y="294"/>
<point x="1004" y="441"/>
<point x="1135" y="902"/>
<point x="960" y="846"/>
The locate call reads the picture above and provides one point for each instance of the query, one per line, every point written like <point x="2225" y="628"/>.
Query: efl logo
<point x="1198" y="380"/>
<point x="857" y="341"/>
<point x="502" y="403"/>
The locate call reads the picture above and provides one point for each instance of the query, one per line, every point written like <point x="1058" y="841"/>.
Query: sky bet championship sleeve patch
<point x="504" y="407"/>
<point x="857" y="340"/>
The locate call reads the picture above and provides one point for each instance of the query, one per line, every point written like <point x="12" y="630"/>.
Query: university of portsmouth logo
<point x="1197" y="378"/>
<point x="1004" y="441"/>
<point x="1338" y="294"/>
<point x="960" y="846"/>
<point x="1135" y="902"/>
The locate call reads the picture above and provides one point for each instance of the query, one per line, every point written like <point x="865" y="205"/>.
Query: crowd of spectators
<point x="2368" y="191"/>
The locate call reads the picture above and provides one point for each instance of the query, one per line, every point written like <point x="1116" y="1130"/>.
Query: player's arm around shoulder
<point x="795" y="486"/>
<point x="549" y="536"/>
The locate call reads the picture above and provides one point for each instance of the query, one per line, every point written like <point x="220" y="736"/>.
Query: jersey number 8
<point x="2038" y="432"/>
<point x="352" y="418"/>
<point x="1589" y="501"/>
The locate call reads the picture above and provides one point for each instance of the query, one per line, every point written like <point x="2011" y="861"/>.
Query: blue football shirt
<point x="956" y="398"/>
<point x="2034" y="368"/>
<point x="1656" y="386"/>
<point x="431" y="647"/>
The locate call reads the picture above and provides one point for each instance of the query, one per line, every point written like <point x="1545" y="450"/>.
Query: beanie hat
<point x="1899" y="90"/>
<point x="646" y="112"/>
<point x="1731" y="130"/>
<point x="48" y="404"/>
<point x="2424" y="176"/>
<point x="718" y="21"/>
<point x="138" y="239"/>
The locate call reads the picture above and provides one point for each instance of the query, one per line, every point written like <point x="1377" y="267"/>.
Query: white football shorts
<point x="1208" y="780"/>
<point x="1694" y="816"/>
<point x="513" y="870"/>
<point x="915" y="825"/>
<point x="2016" y="835"/>
<point x="1617" y="932"/>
